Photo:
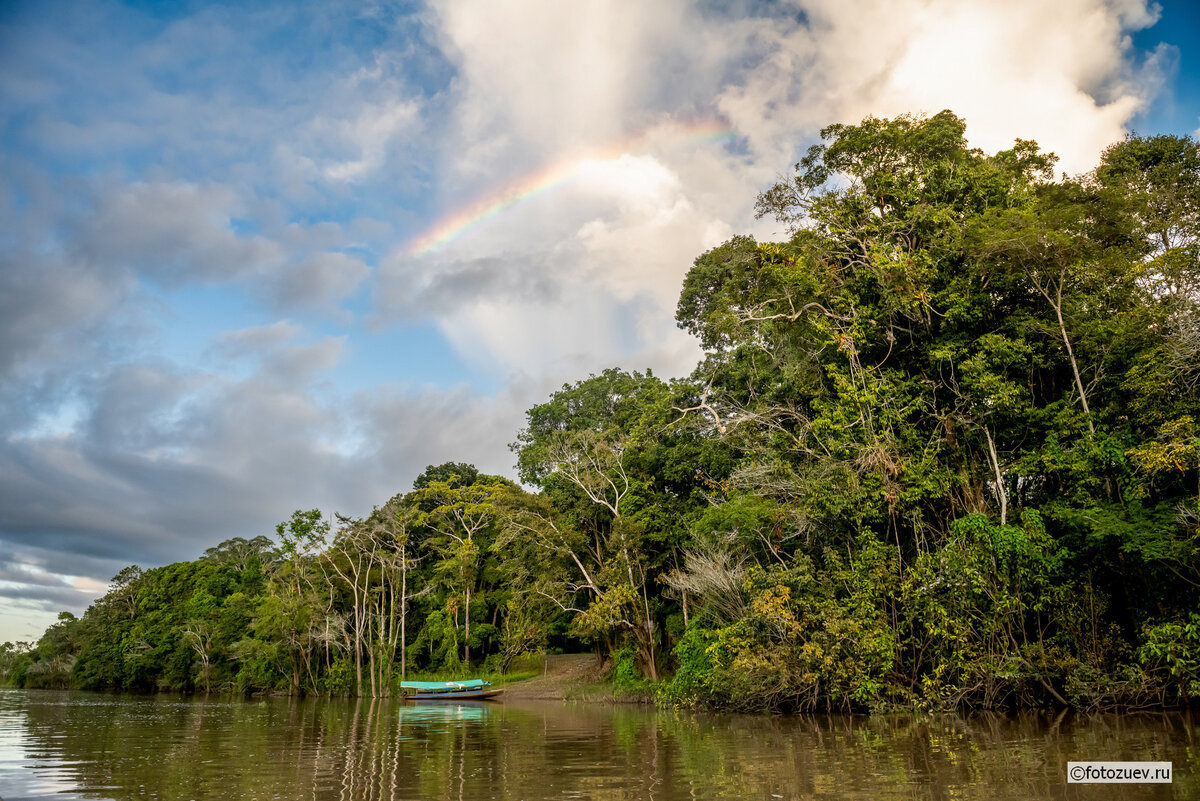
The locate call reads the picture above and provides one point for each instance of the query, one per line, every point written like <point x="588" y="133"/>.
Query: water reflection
<point x="66" y="745"/>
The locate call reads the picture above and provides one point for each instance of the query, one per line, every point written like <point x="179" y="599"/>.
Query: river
<point x="68" y="745"/>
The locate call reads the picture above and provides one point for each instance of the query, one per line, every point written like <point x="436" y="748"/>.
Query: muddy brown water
<point x="66" y="745"/>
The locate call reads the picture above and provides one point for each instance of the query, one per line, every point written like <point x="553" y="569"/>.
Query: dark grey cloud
<point x="281" y="360"/>
<point x="75" y="255"/>
<point x="64" y="495"/>
<point x="78" y="264"/>
<point x="60" y="597"/>
<point x="49" y="601"/>
<point x="53" y="308"/>
<point x="162" y="462"/>
<point x="136" y="408"/>
<point x="57" y="564"/>
<point x="318" y="281"/>
<point x="32" y="583"/>
<point x="252" y="342"/>
<point x="167" y="464"/>
<point x="297" y="363"/>
<point x="174" y="233"/>
<point x="430" y="287"/>
<point x="49" y="307"/>
<point x="408" y="429"/>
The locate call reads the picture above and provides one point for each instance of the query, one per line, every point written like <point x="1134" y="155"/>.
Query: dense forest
<point x="941" y="451"/>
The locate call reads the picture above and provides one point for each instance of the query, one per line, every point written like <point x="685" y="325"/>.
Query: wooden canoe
<point x="470" y="690"/>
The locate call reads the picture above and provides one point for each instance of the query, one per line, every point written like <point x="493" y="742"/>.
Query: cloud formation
<point x="533" y="86"/>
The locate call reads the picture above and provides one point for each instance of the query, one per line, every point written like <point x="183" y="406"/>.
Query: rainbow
<point x="555" y="175"/>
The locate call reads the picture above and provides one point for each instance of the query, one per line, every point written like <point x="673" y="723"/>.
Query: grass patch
<point x="610" y="692"/>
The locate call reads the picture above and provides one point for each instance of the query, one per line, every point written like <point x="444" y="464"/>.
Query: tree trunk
<point x="999" y="478"/>
<point x="1062" y="328"/>
<point x="403" y="614"/>
<point x="371" y="657"/>
<point x="653" y="662"/>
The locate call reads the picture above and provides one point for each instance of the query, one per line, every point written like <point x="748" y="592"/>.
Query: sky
<point x="256" y="257"/>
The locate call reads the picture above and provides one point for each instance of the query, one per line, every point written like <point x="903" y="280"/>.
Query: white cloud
<point x="1062" y="73"/>
<point x="550" y="74"/>
<point x="536" y="83"/>
<point x="637" y="248"/>
<point x="545" y="79"/>
<point x="567" y="283"/>
<point x="368" y="137"/>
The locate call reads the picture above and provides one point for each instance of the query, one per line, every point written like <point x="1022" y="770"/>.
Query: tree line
<point x="941" y="451"/>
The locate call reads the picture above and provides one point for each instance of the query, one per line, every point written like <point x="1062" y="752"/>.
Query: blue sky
<point x="211" y="310"/>
<point x="1176" y="107"/>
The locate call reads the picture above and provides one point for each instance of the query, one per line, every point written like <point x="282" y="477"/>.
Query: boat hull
<point x="466" y="695"/>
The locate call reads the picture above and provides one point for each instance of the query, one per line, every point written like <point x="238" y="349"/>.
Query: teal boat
<point x="467" y="689"/>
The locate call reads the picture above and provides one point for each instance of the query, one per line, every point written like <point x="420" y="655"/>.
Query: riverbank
<point x="576" y="677"/>
<point x="561" y="676"/>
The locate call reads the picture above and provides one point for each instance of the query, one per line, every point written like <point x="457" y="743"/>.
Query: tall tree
<point x="462" y="518"/>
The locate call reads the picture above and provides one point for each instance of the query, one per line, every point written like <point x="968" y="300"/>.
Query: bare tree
<point x="715" y="575"/>
<point x="199" y="635"/>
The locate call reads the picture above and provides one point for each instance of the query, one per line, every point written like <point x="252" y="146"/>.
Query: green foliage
<point x="339" y="678"/>
<point x="1173" y="649"/>
<point x="453" y="474"/>
<point x="625" y="671"/>
<point x="15" y="659"/>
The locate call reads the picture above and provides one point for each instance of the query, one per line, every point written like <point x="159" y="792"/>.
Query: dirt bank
<point x="562" y="672"/>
